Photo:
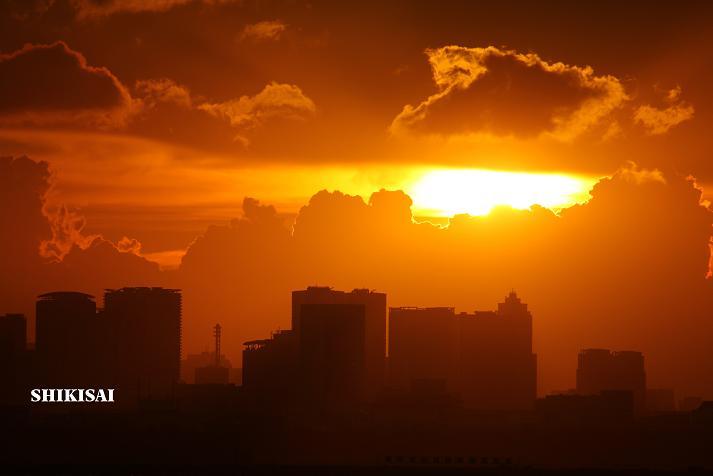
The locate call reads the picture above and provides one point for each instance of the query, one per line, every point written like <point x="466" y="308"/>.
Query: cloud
<point x="162" y="90"/>
<point x="53" y="84"/>
<point x="129" y="245"/>
<point x="24" y="185"/>
<point x="88" y="9"/>
<point x="67" y="226"/>
<point x="269" y="30"/>
<point x="275" y="101"/>
<point x="499" y="92"/>
<point x="659" y="120"/>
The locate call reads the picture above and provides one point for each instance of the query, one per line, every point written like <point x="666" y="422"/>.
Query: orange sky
<point x="158" y="119"/>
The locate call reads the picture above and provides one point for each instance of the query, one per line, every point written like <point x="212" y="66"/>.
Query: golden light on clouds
<point x="449" y="192"/>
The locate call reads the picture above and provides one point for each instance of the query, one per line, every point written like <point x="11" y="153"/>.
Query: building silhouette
<point x="66" y="339"/>
<point x="600" y="369"/>
<point x="497" y="369"/>
<point x="14" y="358"/>
<point x="13" y="336"/>
<point x="422" y="347"/>
<point x="214" y="372"/>
<point x="270" y="366"/>
<point x="374" y="304"/>
<point x="660" y="400"/>
<point x="607" y="407"/>
<point x="485" y="357"/>
<point x="143" y="326"/>
<point x="332" y="354"/>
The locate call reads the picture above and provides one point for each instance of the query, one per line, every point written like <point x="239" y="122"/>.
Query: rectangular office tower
<point x="374" y="321"/>
<point x="332" y="357"/>
<point x="144" y="329"/>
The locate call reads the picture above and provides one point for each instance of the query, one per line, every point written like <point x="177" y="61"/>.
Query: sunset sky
<point x="157" y="119"/>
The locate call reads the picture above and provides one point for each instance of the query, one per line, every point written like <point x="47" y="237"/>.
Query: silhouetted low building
<point x="606" y="407"/>
<point x="660" y="400"/>
<point x="204" y="359"/>
<point x="13" y="335"/>
<point x="688" y="404"/>
<point x="600" y="369"/>
<point x="270" y="366"/>
<point x="14" y="359"/>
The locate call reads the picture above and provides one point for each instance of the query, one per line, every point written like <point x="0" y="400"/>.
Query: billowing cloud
<point x="659" y="120"/>
<point x="275" y="101"/>
<point x="67" y="226"/>
<point x="162" y="90"/>
<point x="53" y="84"/>
<point x="269" y="30"/>
<point x="500" y="92"/>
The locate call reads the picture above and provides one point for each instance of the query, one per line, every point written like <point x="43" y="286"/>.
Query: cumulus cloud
<point x="659" y="120"/>
<point x="53" y="84"/>
<point x="162" y="90"/>
<point x="502" y="92"/>
<point x="269" y="30"/>
<point x="275" y="101"/>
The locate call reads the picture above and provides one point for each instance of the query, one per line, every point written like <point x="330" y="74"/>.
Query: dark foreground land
<point x="175" y="441"/>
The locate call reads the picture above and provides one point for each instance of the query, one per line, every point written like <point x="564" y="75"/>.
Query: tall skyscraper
<point x="374" y="304"/>
<point x="332" y="357"/>
<point x="66" y="339"/>
<point x="497" y="369"/>
<point x="144" y="327"/>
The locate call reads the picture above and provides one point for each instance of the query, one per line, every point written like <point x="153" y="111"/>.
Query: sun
<point x="449" y="192"/>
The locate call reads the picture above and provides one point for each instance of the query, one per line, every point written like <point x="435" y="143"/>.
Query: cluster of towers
<point x="132" y="344"/>
<point x="336" y="352"/>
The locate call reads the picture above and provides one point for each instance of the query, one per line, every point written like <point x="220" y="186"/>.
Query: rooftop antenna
<point x="216" y="334"/>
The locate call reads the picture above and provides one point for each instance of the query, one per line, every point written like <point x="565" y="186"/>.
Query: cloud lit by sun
<point x="476" y="192"/>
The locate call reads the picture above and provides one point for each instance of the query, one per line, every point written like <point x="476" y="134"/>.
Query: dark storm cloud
<point x="54" y="84"/>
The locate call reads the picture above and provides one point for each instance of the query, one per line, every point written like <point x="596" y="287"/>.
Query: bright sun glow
<point x="476" y="192"/>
